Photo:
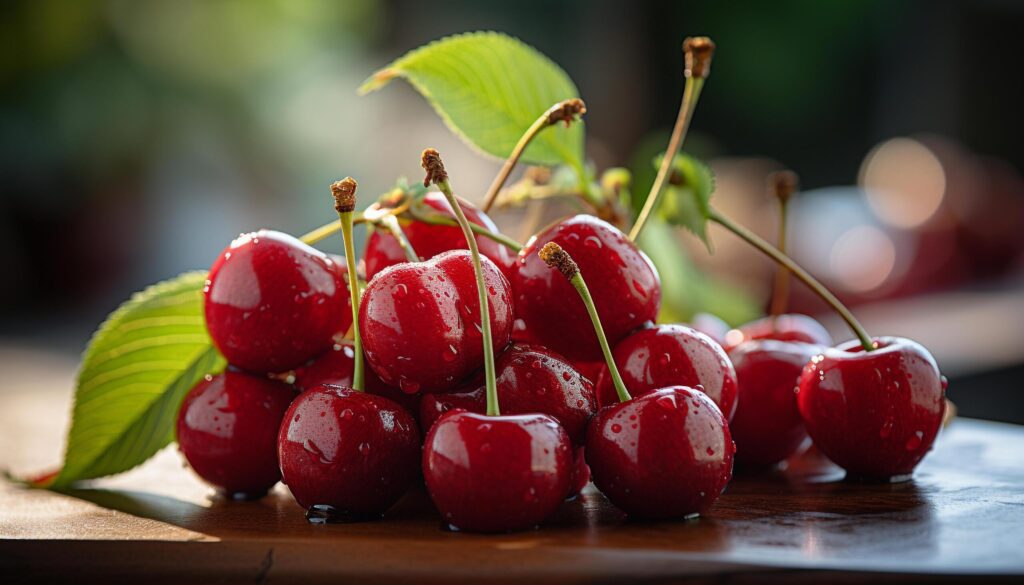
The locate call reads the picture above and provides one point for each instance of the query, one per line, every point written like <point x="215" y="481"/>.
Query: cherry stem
<point x="391" y="223"/>
<point x="327" y="230"/>
<point x="783" y="185"/>
<point x="344" y="192"/>
<point x="438" y="219"/>
<point x="437" y="175"/>
<point x="554" y="256"/>
<point x="801" y="274"/>
<point x="697" y="52"/>
<point x="564" y="111"/>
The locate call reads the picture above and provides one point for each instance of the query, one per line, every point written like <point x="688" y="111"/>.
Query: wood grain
<point x="960" y="519"/>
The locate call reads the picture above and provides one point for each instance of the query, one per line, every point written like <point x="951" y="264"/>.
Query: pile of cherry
<point x="654" y="414"/>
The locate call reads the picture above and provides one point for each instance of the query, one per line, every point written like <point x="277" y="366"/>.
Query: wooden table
<point x="960" y="519"/>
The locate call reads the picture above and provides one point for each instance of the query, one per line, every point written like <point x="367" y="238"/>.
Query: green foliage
<point x="687" y="198"/>
<point x="136" y="371"/>
<point x="489" y="88"/>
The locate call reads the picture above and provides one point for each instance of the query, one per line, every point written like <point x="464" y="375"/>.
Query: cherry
<point x="273" y="303"/>
<point x="531" y="379"/>
<point x="787" y="327"/>
<point x="337" y="367"/>
<point x="420" y="321"/>
<point x="429" y="240"/>
<point x="496" y="473"/>
<point x="666" y="454"/>
<point x="711" y="325"/>
<point x="489" y="472"/>
<point x="767" y="427"/>
<point x="629" y="297"/>
<point x="346" y="454"/>
<point x="227" y="430"/>
<point x="877" y="413"/>
<point x="351" y="451"/>
<point x="673" y="355"/>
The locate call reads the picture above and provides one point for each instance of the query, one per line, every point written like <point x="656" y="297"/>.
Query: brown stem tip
<point x="554" y="256"/>
<point x="434" y="166"/>
<point x="783" y="184"/>
<point x="566" y="111"/>
<point x="698" y="52"/>
<point x="344" y="192"/>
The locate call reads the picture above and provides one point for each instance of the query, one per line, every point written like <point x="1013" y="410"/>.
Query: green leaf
<point x="136" y="371"/>
<point x="489" y="88"/>
<point x="687" y="197"/>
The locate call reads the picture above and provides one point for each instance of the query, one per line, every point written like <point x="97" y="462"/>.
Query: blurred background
<point x="137" y="138"/>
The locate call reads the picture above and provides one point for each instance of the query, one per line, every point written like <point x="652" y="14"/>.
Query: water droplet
<point x="914" y="441"/>
<point x="485" y="448"/>
<point x="485" y="427"/>
<point x="536" y="365"/>
<point x="886" y="429"/>
<point x="668" y="402"/>
<point x="450" y="354"/>
<point x="593" y="242"/>
<point x="364" y="449"/>
<point x="347" y="414"/>
<point x="400" y="291"/>
<point x="408" y="386"/>
<point x="664" y="359"/>
<point x="639" y="287"/>
<point x="566" y="376"/>
<point x="709" y="451"/>
<point x="616" y="428"/>
<point x="323" y="413"/>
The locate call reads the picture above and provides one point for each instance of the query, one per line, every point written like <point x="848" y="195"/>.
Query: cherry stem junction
<point x="801" y="275"/>
<point x="564" y="111"/>
<point x="344" y="192"/>
<point x="437" y="175"/>
<point x="697" y="52"/>
<point x="554" y="256"/>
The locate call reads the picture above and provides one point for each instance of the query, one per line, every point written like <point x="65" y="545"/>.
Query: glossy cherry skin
<point x="666" y="454"/>
<point x="580" y="472"/>
<point x="272" y="303"/>
<point x="788" y="327"/>
<point x="420" y="321"/>
<point x="767" y="427"/>
<point x="496" y="473"/>
<point x="227" y="431"/>
<point x="531" y="379"/>
<point x="350" y="450"/>
<point x="336" y="368"/>
<point x="875" y="414"/>
<point x="672" y="355"/>
<point x="622" y="280"/>
<point x="382" y="250"/>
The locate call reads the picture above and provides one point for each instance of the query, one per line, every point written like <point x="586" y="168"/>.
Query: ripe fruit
<point x="496" y="473"/>
<point x="876" y="414"/>
<point x="227" y="430"/>
<point x="383" y="250"/>
<point x="767" y="427"/>
<point x="272" y="303"/>
<point x="348" y="450"/>
<point x="788" y="327"/>
<point x="420" y="321"/>
<point x="666" y="454"/>
<point x="531" y="379"/>
<point x="629" y="296"/>
<point x="337" y="367"/>
<point x="673" y="355"/>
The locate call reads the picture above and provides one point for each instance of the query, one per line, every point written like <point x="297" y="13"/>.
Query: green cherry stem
<point x="344" y="192"/>
<point x="436" y="174"/>
<point x="565" y="111"/>
<point x="801" y="274"/>
<point x="554" y="256"/>
<point x="327" y="230"/>
<point x="697" y="52"/>
<point x="782" y="185"/>
<point x="438" y="219"/>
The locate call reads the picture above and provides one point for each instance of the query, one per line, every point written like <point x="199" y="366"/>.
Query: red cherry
<point x="580" y="472"/>
<point x="336" y="368"/>
<point x="272" y="303"/>
<point x="349" y="454"/>
<point x="383" y="250"/>
<point x="420" y="321"/>
<point x="876" y="414"/>
<point x="672" y="355"/>
<point x="227" y="430"/>
<point x="789" y="327"/>
<point x="531" y="379"/>
<point x="666" y="454"/>
<point x="767" y="427"/>
<point x="553" y="315"/>
<point x="496" y="473"/>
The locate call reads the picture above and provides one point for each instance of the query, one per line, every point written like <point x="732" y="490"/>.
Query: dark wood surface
<point x="960" y="519"/>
